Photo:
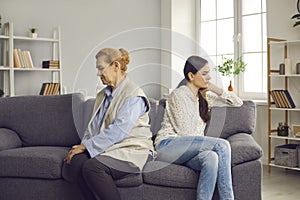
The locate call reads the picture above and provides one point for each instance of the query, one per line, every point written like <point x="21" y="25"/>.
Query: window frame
<point x="239" y="81"/>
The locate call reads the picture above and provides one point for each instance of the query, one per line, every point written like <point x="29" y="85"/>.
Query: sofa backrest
<point x="224" y="122"/>
<point x="44" y="120"/>
<point x="88" y="107"/>
<point x="227" y="121"/>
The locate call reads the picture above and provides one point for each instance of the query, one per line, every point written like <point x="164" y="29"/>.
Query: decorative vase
<point x="230" y="88"/>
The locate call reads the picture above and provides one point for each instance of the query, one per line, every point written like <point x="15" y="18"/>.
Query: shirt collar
<point x="109" y="92"/>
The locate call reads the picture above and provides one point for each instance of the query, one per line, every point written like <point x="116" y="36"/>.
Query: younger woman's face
<point x="202" y="77"/>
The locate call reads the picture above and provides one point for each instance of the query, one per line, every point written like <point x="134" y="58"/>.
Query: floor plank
<point x="280" y="184"/>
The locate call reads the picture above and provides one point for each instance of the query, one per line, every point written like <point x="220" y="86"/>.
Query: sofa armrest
<point x="244" y="148"/>
<point x="9" y="139"/>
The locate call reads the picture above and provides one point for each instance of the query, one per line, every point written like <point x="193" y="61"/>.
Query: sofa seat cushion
<point x="33" y="162"/>
<point x="131" y="180"/>
<point x="243" y="148"/>
<point x="170" y="175"/>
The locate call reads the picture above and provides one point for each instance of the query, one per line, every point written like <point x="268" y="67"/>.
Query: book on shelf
<point x="282" y="99"/>
<point x="22" y="59"/>
<point x="50" y="89"/>
<point x="276" y="101"/>
<point x="50" y="64"/>
<point x="289" y="97"/>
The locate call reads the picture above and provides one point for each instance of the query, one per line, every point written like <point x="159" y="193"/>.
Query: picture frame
<point x="296" y="130"/>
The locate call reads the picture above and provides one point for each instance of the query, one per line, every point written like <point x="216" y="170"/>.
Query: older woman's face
<point x="105" y="71"/>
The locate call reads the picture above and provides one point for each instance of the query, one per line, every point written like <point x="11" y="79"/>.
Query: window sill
<point x="260" y="102"/>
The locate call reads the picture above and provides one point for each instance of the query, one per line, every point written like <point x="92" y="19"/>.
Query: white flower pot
<point x="33" y="35"/>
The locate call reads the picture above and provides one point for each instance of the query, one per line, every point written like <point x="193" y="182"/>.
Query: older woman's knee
<point x="93" y="166"/>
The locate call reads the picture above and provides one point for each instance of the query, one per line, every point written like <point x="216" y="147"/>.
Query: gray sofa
<point x="36" y="133"/>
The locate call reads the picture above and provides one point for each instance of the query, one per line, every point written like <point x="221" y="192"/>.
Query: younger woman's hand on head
<point x="213" y="88"/>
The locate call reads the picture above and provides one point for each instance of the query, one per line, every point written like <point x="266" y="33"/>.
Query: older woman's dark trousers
<point x="95" y="179"/>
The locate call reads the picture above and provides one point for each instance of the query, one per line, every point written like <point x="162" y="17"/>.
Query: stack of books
<point x="22" y="59"/>
<point x="50" y="89"/>
<point x="282" y="99"/>
<point x="51" y="64"/>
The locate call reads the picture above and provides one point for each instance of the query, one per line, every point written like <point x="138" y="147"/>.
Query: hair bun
<point x="125" y="56"/>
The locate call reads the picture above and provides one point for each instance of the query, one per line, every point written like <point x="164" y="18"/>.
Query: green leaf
<point x="296" y="24"/>
<point x="231" y="67"/>
<point x="296" y="16"/>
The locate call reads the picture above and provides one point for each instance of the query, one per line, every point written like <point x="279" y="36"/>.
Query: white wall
<point x="178" y="37"/>
<point x="86" y="25"/>
<point x="279" y="23"/>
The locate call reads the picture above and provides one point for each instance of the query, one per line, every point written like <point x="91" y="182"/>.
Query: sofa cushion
<point x="88" y="107"/>
<point x="171" y="175"/>
<point x="9" y="139"/>
<point x="243" y="148"/>
<point x="152" y="113"/>
<point x="43" y="120"/>
<point x="227" y="121"/>
<point x="131" y="180"/>
<point x="158" y="117"/>
<point x="33" y="162"/>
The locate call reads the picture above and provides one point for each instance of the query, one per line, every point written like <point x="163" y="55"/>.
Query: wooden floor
<point x="280" y="184"/>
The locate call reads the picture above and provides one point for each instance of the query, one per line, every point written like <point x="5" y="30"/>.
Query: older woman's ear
<point x="117" y="64"/>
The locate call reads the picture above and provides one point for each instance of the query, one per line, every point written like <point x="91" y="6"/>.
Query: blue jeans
<point x="211" y="156"/>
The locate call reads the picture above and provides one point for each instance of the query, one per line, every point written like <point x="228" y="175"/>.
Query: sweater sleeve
<point x="226" y="99"/>
<point x="177" y="113"/>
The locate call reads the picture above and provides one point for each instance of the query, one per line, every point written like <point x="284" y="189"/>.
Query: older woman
<point x="181" y="138"/>
<point x="118" y="139"/>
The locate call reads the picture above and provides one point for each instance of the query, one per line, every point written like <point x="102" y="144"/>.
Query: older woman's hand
<point x="76" y="149"/>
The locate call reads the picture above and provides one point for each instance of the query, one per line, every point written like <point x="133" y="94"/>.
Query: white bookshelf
<point x="12" y="76"/>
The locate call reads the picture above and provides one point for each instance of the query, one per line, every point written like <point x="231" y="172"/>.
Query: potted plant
<point x="33" y="32"/>
<point x="231" y="68"/>
<point x="297" y="16"/>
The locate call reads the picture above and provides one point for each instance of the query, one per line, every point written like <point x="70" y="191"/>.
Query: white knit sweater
<point x="182" y="112"/>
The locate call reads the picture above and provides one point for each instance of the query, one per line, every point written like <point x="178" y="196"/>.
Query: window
<point x="236" y="28"/>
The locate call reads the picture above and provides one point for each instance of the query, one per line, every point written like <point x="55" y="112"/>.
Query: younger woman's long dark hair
<point x="193" y="64"/>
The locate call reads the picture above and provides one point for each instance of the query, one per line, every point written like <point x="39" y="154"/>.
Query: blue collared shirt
<point x="98" y="141"/>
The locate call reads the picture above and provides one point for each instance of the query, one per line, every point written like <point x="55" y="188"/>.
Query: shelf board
<point x="4" y="36"/>
<point x="283" y="137"/>
<point x="2" y="68"/>
<point x="284" y="42"/>
<point x="35" y="39"/>
<point x="285" y="109"/>
<point x="284" y="75"/>
<point x="36" y="69"/>
<point x="284" y="167"/>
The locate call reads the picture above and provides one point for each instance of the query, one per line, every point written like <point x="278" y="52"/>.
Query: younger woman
<point x="181" y="138"/>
